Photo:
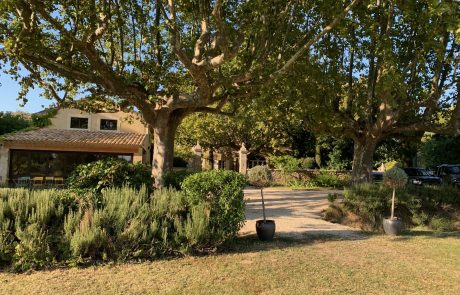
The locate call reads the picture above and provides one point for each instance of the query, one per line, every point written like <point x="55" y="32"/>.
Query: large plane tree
<point x="391" y="71"/>
<point x="167" y="59"/>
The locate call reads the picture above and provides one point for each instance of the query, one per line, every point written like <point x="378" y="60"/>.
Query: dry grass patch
<point x="418" y="263"/>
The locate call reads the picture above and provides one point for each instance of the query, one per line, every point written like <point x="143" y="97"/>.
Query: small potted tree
<point x="394" y="178"/>
<point x="261" y="176"/>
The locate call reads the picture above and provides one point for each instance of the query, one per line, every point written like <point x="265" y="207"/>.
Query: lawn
<point x="419" y="263"/>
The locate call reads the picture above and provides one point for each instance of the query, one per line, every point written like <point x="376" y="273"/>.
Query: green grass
<point x="420" y="263"/>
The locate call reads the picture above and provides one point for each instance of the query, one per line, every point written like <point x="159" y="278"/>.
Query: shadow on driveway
<point x="296" y="214"/>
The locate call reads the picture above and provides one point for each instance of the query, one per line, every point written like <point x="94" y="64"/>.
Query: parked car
<point x="377" y="176"/>
<point x="449" y="173"/>
<point x="420" y="176"/>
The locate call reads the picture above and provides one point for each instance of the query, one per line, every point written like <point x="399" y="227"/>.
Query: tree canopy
<point x="10" y="122"/>
<point x="389" y="71"/>
<point x="166" y="58"/>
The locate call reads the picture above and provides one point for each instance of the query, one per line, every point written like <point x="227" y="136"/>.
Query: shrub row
<point x="41" y="228"/>
<point x="288" y="163"/>
<point x="321" y="179"/>
<point x="428" y="205"/>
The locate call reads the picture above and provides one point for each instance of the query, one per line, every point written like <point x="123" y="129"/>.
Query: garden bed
<point x="365" y="205"/>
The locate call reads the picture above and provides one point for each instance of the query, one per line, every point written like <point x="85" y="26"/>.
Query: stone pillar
<point x="195" y="161"/>
<point x="4" y="164"/>
<point x="243" y="159"/>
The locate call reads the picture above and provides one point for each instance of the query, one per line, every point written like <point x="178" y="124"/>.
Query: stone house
<point x="73" y="137"/>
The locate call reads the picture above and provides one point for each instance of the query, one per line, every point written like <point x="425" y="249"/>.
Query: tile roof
<point x="78" y="137"/>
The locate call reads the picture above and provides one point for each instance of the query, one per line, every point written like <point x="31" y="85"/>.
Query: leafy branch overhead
<point x="166" y="58"/>
<point x="146" y="52"/>
<point x="391" y="71"/>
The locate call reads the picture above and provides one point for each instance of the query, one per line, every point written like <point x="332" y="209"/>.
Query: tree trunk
<point x="393" y="204"/>
<point x="263" y="203"/>
<point x="318" y="158"/>
<point x="363" y="159"/>
<point x="164" y="130"/>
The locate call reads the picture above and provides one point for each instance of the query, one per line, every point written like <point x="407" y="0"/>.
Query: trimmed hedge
<point x="223" y="191"/>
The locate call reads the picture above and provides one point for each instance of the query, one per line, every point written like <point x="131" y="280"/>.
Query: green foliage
<point x="348" y="90"/>
<point x="307" y="163"/>
<point x="19" y="121"/>
<point x="370" y="202"/>
<point x="10" y="122"/>
<point x="440" y="224"/>
<point x="174" y="179"/>
<point x="222" y="192"/>
<point x="392" y="164"/>
<point x="337" y="160"/>
<point x="149" y="67"/>
<point x="29" y="221"/>
<point x="331" y="197"/>
<point x="260" y="176"/>
<point x="43" y="119"/>
<point x="33" y="250"/>
<point x="289" y="164"/>
<point x="334" y="213"/>
<point x="40" y="228"/>
<point x="110" y="172"/>
<point x="326" y="179"/>
<point x="395" y="177"/>
<point x="439" y="150"/>
<point x="401" y="150"/>
<point x="416" y="205"/>
<point x="285" y="163"/>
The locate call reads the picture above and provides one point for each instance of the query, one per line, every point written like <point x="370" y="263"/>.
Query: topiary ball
<point x="395" y="177"/>
<point x="260" y="176"/>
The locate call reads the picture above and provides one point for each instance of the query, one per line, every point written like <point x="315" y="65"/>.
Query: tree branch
<point x="312" y="41"/>
<point x="37" y="77"/>
<point x="199" y="44"/>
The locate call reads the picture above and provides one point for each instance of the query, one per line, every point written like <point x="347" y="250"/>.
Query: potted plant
<point x="394" y="178"/>
<point x="261" y="176"/>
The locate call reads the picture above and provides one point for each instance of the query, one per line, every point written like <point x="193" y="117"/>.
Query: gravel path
<point x="296" y="213"/>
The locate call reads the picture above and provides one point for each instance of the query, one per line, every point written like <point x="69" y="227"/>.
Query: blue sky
<point x="9" y="92"/>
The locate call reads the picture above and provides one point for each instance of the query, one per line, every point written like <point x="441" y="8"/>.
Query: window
<point x="221" y="165"/>
<point x="108" y="124"/>
<point x="127" y="158"/>
<point x="79" y="123"/>
<point x="31" y="163"/>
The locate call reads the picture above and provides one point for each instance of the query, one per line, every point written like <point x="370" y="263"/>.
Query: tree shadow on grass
<point x="423" y="233"/>
<point x="251" y="243"/>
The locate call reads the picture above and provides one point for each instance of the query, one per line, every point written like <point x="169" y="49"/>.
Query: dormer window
<point x="108" y="124"/>
<point x="78" y="123"/>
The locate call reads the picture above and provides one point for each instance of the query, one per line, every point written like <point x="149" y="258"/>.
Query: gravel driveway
<point x="296" y="213"/>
